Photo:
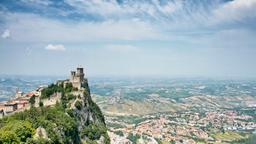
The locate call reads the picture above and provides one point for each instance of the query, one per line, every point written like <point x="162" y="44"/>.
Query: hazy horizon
<point x="129" y="77"/>
<point x="163" y="38"/>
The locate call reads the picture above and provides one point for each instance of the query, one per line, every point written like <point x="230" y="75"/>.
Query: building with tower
<point x="77" y="77"/>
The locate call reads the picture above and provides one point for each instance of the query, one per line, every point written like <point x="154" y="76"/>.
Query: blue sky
<point x="211" y="38"/>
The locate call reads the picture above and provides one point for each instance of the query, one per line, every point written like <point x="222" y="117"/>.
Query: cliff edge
<point x="74" y="118"/>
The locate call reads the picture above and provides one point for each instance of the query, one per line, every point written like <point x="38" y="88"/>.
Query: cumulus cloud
<point x="6" y="34"/>
<point x="56" y="47"/>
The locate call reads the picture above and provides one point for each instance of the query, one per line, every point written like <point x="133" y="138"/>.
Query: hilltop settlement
<point x="59" y="113"/>
<point x="22" y="100"/>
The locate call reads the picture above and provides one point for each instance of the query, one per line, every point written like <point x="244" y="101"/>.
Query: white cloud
<point x="170" y="6"/>
<point x="122" y="48"/>
<point x="96" y="6"/>
<point x="39" y="2"/>
<point x="34" y="28"/>
<point x="177" y="18"/>
<point x="57" y="47"/>
<point x="237" y="10"/>
<point x="6" y="34"/>
<point x="112" y="9"/>
<point x="173" y="15"/>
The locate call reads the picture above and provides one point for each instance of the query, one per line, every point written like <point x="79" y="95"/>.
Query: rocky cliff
<point x="75" y="118"/>
<point x="91" y="122"/>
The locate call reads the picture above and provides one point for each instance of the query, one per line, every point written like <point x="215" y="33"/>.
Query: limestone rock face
<point x="41" y="133"/>
<point x="89" y="112"/>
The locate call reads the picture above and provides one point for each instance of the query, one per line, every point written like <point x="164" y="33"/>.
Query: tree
<point x="133" y="138"/>
<point x="68" y="87"/>
<point x="222" y="129"/>
<point x="94" y="131"/>
<point x="50" y="90"/>
<point x="78" y="105"/>
<point x="32" y="100"/>
<point x="41" y="104"/>
<point x="9" y="137"/>
<point x="16" y="132"/>
<point x="120" y="133"/>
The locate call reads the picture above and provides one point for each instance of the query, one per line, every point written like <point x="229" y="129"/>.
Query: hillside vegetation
<point x="61" y="123"/>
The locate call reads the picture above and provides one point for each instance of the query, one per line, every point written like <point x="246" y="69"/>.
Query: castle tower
<point x="80" y="73"/>
<point x="77" y="78"/>
<point x="72" y="76"/>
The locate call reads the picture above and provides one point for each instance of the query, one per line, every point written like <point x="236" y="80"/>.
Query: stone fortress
<point x="77" y="78"/>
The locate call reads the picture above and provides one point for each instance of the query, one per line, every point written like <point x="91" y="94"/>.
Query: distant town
<point x="163" y="110"/>
<point x="188" y="127"/>
<point x="178" y="111"/>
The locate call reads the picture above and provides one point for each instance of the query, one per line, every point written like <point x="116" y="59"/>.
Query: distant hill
<point x="10" y="83"/>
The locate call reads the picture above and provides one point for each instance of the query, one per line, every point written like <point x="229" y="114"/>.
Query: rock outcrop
<point x="74" y="119"/>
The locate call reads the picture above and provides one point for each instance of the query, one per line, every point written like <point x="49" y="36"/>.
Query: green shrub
<point x="38" y="141"/>
<point x="9" y="137"/>
<point x="32" y="100"/>
<point x="59" y="122"/>
<point x="70" y="97"/>
<point x="41" y="104"/>
<point x="16" y="131"/>
<point x="68" y="87"/>
<point x="94" y="108"/>
<point x="120" y="133"/>
<point x="70" y="112"/>
<point x="50" y="90"/>
<point x="54" y="119"/>
<point x="93" y="131"/>
<point x="133" y="138"/>
<point x="78" y="105"/>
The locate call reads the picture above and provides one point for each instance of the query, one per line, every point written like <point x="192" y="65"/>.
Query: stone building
<point x="18" y="94"/>
<point x="77" y="78"/>
<point x="10" y="107"/>
<point x="1" y="113"/>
